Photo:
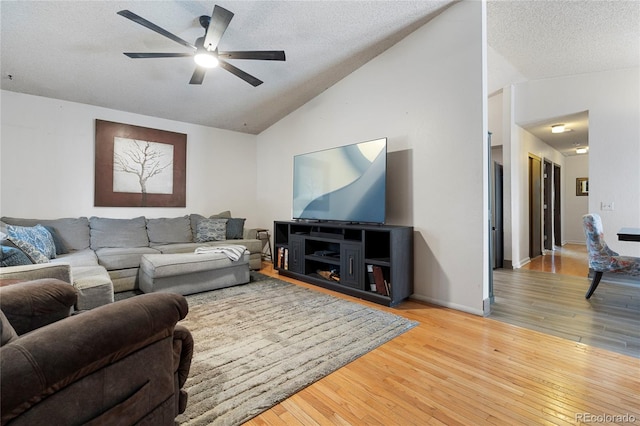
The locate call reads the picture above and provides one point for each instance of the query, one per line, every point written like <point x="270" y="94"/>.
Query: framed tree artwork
<point x="139" y="167"/>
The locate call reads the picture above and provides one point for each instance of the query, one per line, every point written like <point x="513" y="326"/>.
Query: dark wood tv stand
<point x="309" y="251"/>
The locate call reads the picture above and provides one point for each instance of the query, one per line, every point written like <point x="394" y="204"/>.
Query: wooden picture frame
<point x="139" y="166"/>
<point x="582" y="186"/>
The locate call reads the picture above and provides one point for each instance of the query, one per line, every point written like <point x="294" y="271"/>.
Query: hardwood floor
<point x="554" y="303"/>
<point x="570" y="259"/>
<point x="458" y="368"/>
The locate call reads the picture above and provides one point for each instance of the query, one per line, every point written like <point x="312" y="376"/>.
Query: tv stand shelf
<point x="342" y="257"/>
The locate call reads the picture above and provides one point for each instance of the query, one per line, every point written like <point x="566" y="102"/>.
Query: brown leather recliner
<point x="121" y="363"/>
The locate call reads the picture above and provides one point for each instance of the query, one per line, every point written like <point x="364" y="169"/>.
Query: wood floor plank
<point x="457" y="368"/>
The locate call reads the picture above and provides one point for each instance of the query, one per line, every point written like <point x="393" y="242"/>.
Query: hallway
<point x="570" y="259"/>
<point x="547" y="295"/>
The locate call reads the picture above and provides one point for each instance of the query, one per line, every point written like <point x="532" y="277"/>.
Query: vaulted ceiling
<point x="73" y="50"/>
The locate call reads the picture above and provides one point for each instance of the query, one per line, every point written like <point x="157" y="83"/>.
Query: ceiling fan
<point x="205" y="49"/>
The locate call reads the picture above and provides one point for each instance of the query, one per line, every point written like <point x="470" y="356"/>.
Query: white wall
<point x="576" y="206"/>
<point x="495" y="118"/>
<point x="427" y="95"/>
<point x="47" y="162"/>
<point x="613" y="101"/>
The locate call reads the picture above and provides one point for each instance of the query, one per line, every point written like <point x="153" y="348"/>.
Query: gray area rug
<point x="259" y="343"/>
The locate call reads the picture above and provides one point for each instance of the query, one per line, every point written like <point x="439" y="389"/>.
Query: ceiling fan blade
<point x="218" y="24"/>
<point x="198" y="75"/>
<point x="140" y="20"/>
<point x="239" y="73"/>
<point x="265" y="55"/>
<point x="157" y="55"/>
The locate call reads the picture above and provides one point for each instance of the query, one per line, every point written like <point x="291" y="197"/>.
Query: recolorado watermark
<point x="605" y="418"/>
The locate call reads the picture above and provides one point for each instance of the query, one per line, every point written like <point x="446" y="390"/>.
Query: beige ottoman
<point x="187" y="273"/>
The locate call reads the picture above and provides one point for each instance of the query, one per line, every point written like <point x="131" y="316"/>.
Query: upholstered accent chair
<point x="601" y="258"/>
<point x="121" y="363"/>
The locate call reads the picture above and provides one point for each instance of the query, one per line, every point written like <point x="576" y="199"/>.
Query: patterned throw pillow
<point x="235" y="228"/>
<point x="12" y="255"/>
<point x="211" y="230"/>
<point x="33" y="253"/>
<point x="38" y="236"/>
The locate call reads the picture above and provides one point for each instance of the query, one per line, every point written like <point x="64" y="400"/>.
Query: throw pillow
<point x="57" y="241"/>
<point x="235" y="228"/>
<point x="37" y="236"/>
<point x="33" y="253"/>
<point x="211" y="230"/>
<point x="12" y="255"/>
<point x="222" y="215"/>
<point x="72" y="231"/>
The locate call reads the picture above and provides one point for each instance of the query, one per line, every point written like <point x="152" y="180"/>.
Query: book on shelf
<point x="372" y="280"/>
<point x="280" y="261"/>
<point x="286" y="258"/>
<point x="378" y="276"/>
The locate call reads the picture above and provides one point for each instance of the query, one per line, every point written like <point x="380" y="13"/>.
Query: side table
<point x="265" y="237"/>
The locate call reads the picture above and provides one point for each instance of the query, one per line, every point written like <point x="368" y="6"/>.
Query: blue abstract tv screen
<point x="345" y="184"/>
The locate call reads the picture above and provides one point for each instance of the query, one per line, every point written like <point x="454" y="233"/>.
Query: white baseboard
<point x="448" y="304"/>
<point x="521" y="263"/>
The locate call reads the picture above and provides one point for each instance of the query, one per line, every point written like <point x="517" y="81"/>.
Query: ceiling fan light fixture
<point x="206" y="59"/>
<point x="557" y="128"/>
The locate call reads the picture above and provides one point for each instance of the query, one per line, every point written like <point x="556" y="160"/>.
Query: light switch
<point x="606" y="205"/>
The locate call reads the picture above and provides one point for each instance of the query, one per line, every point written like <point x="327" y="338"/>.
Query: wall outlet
<point x="608" y="206"/>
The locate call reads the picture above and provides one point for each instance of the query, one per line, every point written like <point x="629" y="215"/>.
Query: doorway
<point x="498" y="216"/>
<point x="557" y="191"/>
<point x="552" y="237"/>
<point x="535" y="206"/>
<point x="547" y="208"/>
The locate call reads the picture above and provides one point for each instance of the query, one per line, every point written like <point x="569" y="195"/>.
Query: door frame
<point x="547" y="204"/>
<point x="535" y="205"/>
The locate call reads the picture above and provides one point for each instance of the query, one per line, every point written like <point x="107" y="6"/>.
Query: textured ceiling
<point x="546" y="39"/>
<point x="80" y="45"/>
<point x="79" y="49"/>
<point x="576" y="134"/>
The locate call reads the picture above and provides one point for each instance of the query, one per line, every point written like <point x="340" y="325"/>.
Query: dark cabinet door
<point x="351" y="266"/>
<point x="296" y="254"/>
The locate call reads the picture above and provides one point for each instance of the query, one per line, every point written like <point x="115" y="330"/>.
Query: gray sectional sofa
<point x="100" y="256"/>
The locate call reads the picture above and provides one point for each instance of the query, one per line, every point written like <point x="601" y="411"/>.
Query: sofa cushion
<point x="169" y="230"/>
<point x="38" y="236"/>
<point x="253" y="245"/>
<point x="7" y="332"/>
<point x="94" y="286"/>
<point x="86" y="257"/>
<point x="12" y="255"/>
<point x="107" y="232"/>
<point x="178" y="248"/>
<point x="235" y="228"/>
<point x="33" y="253"/>
<point x="211" y="230"/>
<point x="122" y="257"/>
<point x="168" y="265"/>
<point x="73" y="232"/>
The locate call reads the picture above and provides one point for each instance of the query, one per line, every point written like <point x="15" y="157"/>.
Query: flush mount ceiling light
<point x="581" y="150"/>
<point x="557" y="128"/>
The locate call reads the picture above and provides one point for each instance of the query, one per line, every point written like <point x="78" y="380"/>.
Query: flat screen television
<point x="343" y="184"/>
